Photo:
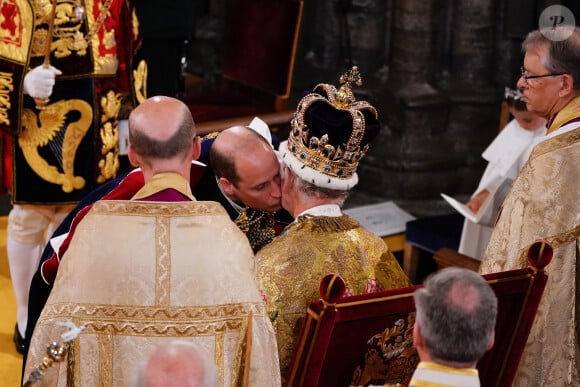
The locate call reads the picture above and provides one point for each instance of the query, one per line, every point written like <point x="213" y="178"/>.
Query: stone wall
<point x="435" y="70"/>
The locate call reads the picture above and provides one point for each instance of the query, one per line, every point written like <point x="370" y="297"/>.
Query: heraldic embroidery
<point x="6" y="86"/>
<point x="109" y="133"/>
<point x="51" y="129"/>
<point x="68" y="34"/>
<point x="391" y="357"/>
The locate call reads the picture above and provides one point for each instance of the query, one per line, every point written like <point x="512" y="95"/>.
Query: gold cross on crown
<point x="345" y="95"/>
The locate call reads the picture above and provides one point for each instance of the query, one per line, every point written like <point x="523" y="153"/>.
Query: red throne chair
<point x="368" y="338"/>
<point x="259" y="48"/>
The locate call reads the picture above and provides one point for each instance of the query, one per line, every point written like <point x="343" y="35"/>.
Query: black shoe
<point x="18" y="341"/>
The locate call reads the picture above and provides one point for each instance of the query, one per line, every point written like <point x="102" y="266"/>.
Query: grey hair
<point x="563" y="55"/>
<point x="312" y="190"/>
<point x="456" y="330"/>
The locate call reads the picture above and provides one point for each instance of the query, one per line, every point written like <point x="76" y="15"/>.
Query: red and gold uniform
<point x="62" y="152"/>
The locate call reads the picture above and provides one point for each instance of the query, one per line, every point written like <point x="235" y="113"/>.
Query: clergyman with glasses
<point x="544" y="203"/>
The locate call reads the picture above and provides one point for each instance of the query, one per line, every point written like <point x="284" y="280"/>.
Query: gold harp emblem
<point x="64" y="143"/>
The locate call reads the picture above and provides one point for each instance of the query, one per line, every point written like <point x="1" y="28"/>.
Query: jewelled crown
<point x="330" y="133"/>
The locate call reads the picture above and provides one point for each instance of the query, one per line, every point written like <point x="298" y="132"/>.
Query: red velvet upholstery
<point x="259" y="48"/>
<point x="368" y="338"/>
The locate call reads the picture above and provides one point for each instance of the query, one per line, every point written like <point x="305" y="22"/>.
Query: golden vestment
<point x="291" y="267"/>
<point x="140" y="273"/>
<point x="543" y="204"/>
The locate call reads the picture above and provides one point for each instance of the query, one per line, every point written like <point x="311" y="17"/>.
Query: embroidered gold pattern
<point x="15" y="30"/>
<point x="109" y="132"/>
<point x="541" y="204"/>
<point x="390" y="356"/>
<point x="135" y="24"/>
<point x="152" y="321"/>
<point x="54" y="129"/>
<point x="219" y="355"/>
<point x="140" y="81"/>
<point x="6" y="86"/>
<point x="161" y="209"/>
<point x="72" y="374"/>
<point x="68" y="36"/>
<point x="290" y="269"/>
<point x="105" y="362"/>
<point x="104" y="62"/>
<point x="163" y="285"/>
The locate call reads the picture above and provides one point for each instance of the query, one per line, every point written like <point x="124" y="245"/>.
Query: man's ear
<point x="491" y="342"/>
<point x="227" y="187"/>
<point x="133" y="157"/>
<point x="287" y="177"/>
<point x="567" y="85"/>
<point x="196" y="148"/>
<point x="418" y="341"/>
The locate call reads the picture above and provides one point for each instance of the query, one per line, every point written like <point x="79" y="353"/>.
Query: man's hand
<point x="476" y="201"/>
<point x="39" y="81"/>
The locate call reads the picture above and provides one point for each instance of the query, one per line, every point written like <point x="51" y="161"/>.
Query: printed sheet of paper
<point x="382" y="219"/>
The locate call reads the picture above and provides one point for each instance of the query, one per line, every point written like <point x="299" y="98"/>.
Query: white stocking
<point x="23" y="259"/>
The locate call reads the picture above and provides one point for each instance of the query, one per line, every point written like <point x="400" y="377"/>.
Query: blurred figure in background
<point x="506" y="155"/>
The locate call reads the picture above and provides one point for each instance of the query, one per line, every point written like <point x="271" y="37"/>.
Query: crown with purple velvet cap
<point x="330" y="133"/>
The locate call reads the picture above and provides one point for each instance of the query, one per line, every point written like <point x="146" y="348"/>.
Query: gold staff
<point x="42" y="102"/>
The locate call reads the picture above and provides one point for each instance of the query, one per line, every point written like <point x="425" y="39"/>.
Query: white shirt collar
<point x="332" y="210"/>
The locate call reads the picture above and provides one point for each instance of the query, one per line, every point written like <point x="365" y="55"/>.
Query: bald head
<point x="161" y="128"/>
<point x="232" y="144"/>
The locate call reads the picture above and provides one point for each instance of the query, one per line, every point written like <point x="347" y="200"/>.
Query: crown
<point x="330" y="133"/>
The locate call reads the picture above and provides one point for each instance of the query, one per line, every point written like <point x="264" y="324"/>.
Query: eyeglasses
<point x="527" y="77"/>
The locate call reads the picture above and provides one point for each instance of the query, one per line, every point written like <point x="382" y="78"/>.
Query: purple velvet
<point x="167" y="195"/>
<point x="322" y="118"/>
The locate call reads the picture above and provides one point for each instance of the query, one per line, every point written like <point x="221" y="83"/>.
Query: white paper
<point x="465" y="211"/>
<point x="382" y="219"/>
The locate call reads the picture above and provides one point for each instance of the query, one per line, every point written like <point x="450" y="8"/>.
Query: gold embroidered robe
<point x="139" y="273"/>
<point x="291" y="267"/>
<point x="543" y="203"/>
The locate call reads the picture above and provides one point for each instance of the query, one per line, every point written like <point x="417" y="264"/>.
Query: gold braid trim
<point x="329" y="223"/>
<point x="556" y="241"/>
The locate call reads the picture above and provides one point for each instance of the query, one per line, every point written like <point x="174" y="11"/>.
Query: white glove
<point x="39" y="81"/>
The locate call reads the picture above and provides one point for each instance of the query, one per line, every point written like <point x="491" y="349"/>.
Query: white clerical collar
<point x="332" y="210"/>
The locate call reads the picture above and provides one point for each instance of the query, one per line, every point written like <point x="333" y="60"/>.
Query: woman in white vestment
<point x="506" y="155"/>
